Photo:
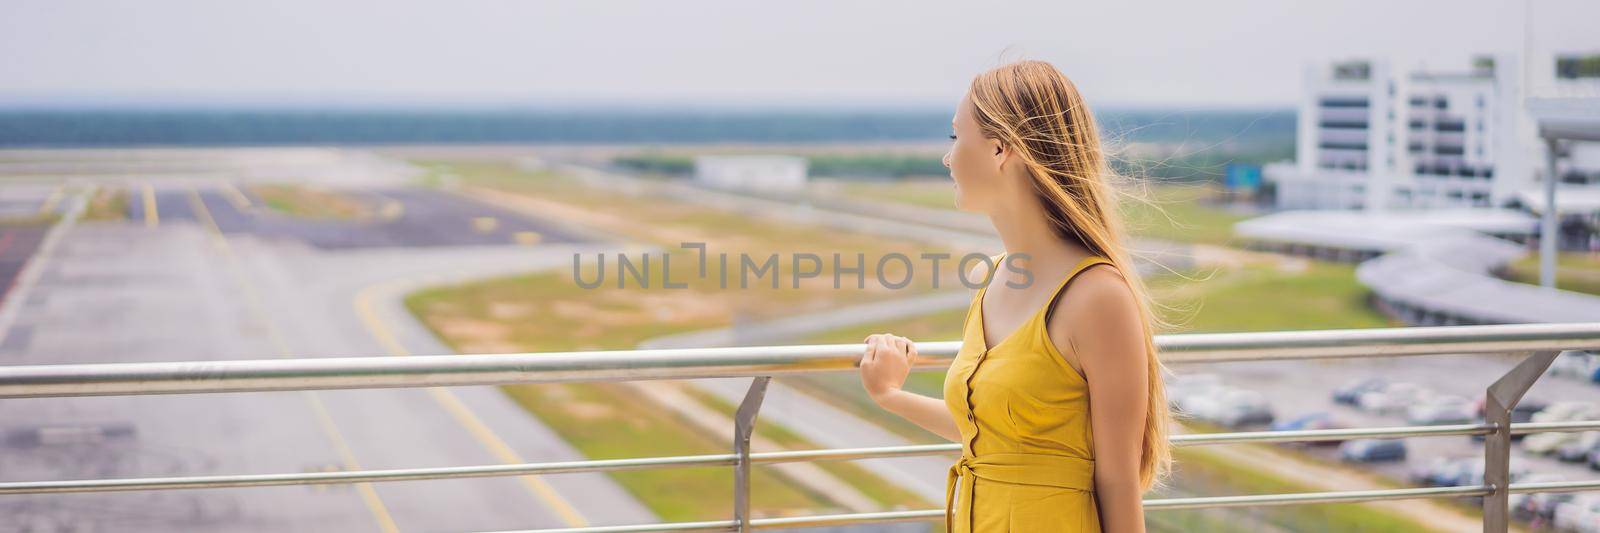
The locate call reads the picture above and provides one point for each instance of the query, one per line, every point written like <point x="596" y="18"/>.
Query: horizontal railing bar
<point x="113" y="379"/>
<point x="713" y="525"/>
<point x="1554" y="486"/>
<point x="1302" y="498"/>
<point x="361" y="476"/>
<point x="846" y="454"/>
<point x="1555" y="427"/>
<point x="1314" y="435"/>
<point x="1163" y="504"/>
<point x="786" y="456"/>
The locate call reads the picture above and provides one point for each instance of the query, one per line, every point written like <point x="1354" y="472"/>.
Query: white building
<point x="1375" y="136"/>
<point x="758" y="173"/>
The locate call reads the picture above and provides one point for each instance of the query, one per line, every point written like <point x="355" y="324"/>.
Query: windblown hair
<point x="1033" y="108"/>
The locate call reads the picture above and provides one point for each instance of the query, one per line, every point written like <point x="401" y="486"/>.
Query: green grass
<point x="606" y="421"/>
<point x="1575" y="271"/>
<point x="1180" y="213"/>
<point x="937" y="194"/>
<point x="108" y="203"/>
<point x="1261" y="298"/>
<point x="1203" y="471"/>
<point x="310" y="202"/>
<point x="889" y="495"/>
<point x="1175" y="212"/>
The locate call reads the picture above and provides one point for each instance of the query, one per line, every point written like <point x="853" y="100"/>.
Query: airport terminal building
<point x="1374" y="134"/>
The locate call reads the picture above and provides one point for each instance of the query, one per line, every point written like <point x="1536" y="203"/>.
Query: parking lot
<point x="1436" y="387"/>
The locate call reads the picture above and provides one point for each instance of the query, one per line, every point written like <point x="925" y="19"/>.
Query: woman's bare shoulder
<point x="1098" y="310"/>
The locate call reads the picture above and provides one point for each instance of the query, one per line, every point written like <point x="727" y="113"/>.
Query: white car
<point x="1575" y="364"/>
<point x="1578" y="449"/>
<point x="1543" y="443"/>
<point x="1441" y="409"/>
<point x="1392" y="399"/>
<point x="1226" y="406"/>
<point x="1541" y="505"/>
<point x="1185" y="386"/>
<point x="1582" y="514"/>
<point x="1243" y="407"/>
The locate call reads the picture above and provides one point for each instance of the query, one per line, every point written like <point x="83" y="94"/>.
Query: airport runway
<point x="208" y="277"/>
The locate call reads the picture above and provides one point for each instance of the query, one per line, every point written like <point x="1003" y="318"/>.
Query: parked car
<point x="1238" y="407"/>
<point x="1438" y="472"/>
<point x="1594" y="460"/>
<point x="1392" y="399"/>
<point x="1311" y="421"/>
<point x="1186" y="386"/>
<point x="1441" y="409"/>
<point x="1456" y="471"/>
<point x="1539" y="506"/>
<point x="1543" y="443"/>
<point x="1578" y="450"/>
<point x="1520" y="413"/>
<point x="1470" y="471"/>
<point x="1372" y="450"/>
<point x="1581" y="513"/>
<point x="1575" y="364"/>
<point x="1351" y="392"/>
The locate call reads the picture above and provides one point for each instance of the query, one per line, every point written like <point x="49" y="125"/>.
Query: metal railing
<point x="1539" y="344"/>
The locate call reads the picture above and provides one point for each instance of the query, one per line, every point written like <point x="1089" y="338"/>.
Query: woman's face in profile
<point x="971" y="160"/>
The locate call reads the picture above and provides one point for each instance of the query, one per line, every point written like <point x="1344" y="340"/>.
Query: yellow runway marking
<point x="369" y="495"/>
<point x="392" y="209"/>
<point x="236" y="196"/>
<point x="51" y="201"/>
<point x="485" y="224"/>
<point x="526" y="237"/>
<point x="463" y="415"/>
<point x="151" y="218"/>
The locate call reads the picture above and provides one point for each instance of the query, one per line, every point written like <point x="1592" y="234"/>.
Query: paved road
<point x="189" y="289"/>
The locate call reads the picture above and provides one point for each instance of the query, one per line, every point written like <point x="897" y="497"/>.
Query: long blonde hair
<point x="1033" y="108"/>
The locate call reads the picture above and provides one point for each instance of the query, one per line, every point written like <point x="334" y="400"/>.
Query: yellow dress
<point x="1027" y="457"/>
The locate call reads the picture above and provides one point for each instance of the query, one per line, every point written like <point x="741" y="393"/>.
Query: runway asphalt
<point x="206" y="279"/>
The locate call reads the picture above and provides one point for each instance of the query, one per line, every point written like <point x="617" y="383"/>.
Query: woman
<point x="1027" y="154"/>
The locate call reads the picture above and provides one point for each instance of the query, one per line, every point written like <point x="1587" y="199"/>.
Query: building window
<point x="1340" y="145"/>
<point x="1344" y="101"/>
<point x="1344" y="124"/>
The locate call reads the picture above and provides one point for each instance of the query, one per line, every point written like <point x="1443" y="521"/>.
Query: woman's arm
<point x="884" y="366"/>
<point x="1108" y="338"/>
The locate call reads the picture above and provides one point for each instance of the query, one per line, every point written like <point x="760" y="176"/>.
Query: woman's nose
<point x="945" y="160"/>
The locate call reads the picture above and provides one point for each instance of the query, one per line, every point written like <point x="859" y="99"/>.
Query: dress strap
<point x="1049" y="306"/>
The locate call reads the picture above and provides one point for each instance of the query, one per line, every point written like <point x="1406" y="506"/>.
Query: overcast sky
<point x="861" y="52"/>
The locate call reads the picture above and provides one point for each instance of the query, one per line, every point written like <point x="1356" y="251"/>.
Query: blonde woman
<point x="1062" y="319"/>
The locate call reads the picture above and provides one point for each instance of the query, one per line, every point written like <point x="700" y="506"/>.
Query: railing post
<point x="1498" y="401"/>
<point x="744" y="424"/>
